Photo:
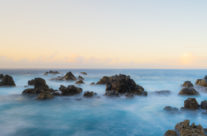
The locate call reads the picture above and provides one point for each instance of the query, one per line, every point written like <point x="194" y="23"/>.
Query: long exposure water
<point x="98" y="116"/>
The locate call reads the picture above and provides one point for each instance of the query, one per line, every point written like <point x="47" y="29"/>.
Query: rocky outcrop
<point x="51" y="72"/>
<point x="84" y="73"/>
<point x="38" y="83"/>
<point x="79" y="82"/>
<point x="7" y="80"/>
<point x="162" y="92"/>
<point x="171" y="109"/>
<point x="68" y="76"/>
<point x="80" y="78"/>
<point x="89" y="94"/>
<point x="121" y="85"/>
<point x="188" y="91"/>
<point x="70" y="90"/>
<point x="187" y="84"/>
<point x="204" y="105"/>
<point x="185" y="129"/>
<point x="191" y="104"/>
<point x="202" y="82"/>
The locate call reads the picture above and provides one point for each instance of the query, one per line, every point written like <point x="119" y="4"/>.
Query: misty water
<point x="98" y="116"/>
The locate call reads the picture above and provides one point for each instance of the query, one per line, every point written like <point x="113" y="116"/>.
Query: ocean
<point x="98" y="116"/>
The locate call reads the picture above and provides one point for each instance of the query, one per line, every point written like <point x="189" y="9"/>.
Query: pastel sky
<point x="103" y="34"/>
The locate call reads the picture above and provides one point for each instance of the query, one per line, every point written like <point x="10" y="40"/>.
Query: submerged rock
<point x="84" y="73"/>
<point x="187" y="84"/>
<point x="51" y="72"/>
<point x="121" y="85"/>
<point x="188" y="91"/>
<point x="79" y="82"/>
<point x="68" y="76"/>
<point x="162" y="92"/>
<point x="70" y="90"/>
<point x="204" y="105"/>
<point x="191" y="104"/>
<point x="171" y="109"/>
<point x="185" y="129"/>
<point x="89" y="94"/>
<point x="7" y="80"/>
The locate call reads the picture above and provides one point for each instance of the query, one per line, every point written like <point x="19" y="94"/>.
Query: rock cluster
<point x="6" y="80"/>
<point x="185" y="129"/>
<point x="121" y="85"/>
<point x="51" y="72"/>
<point x="188" y="89"/>
<point x="68" y="76"/>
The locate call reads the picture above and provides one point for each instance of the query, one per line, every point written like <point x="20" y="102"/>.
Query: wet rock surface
<point x="51" y="72"/>
<point x="191" y="104"/>
<point x="185" y="129"/>
<point x="70" y="90"/>
<point x="68" y="76"/>
<point x="7" y="80"/>
<point x="187" y="84"/>
<point x="121" y="85"/>
<point x="89" y="94"/>
<point x="188" y="91"/>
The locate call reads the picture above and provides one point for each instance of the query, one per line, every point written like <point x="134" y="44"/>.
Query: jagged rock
<point x="191" y="104"/>
<point x="188" y="91"/>
<point x="187" y="84"/>
<point x="171" y="133"/>
<point x="79" y="82"/>
<point x="7" y="80"/>
<point x="92" y="83"/>
<point x="204" y="105"/>
<point x="89" y="94"/>
<point x="51" y="72"/>
<point x="80" y="78"/>
<point x="70" y="90"/>
<point x="68" y="76"/>
<point x="84" y="73"/>
<point x="44" y="96"/>
<point x="121" y="85"/>
<point x="171" y="109"/>
<point x="185" y="129"/>
<point x="162" y="92"/>
<point x="201" y="82"/>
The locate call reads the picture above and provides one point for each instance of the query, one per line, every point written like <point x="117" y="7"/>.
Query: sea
<point x="98" y="116"/>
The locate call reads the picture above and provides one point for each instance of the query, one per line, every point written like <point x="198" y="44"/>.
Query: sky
<point x="163" y="34"/>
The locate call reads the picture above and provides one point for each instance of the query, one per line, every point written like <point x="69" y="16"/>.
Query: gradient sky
<point x="103" y="34"/>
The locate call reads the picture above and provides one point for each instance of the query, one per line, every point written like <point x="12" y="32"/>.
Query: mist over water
<point x="98" y="116"/>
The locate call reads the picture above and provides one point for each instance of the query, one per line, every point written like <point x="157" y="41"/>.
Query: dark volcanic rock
<point x="204" y="105"/>
<point x="191" y="104"/>
<point x="51" y="72"/>
<point x="70" y="90"/>
<point x="121" y="85"/>
<point x="89" y="94"/>
<point x="38" y="83"/>
<point x="79" y="82"/>
<point x="171" y="109"/>
<point x="80" y="78"/>
<point x="84" y="73"/>
<point x="44" y="96"/>
<point x="68" y="76"/>
<point x="185" y="129"/>
<point x="162" y="92"/>
<point x="188" y="91"/>
<point x="171" y="133"/>
<point x="201" y="82"/>
<point x="187" y="84"/>
<point x="7" y="80"/>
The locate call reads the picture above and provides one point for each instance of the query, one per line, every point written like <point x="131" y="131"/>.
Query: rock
<point x="171" y="133"/>
<point x="162" y="92"/>
<point x="68" y="76"/>
<point x="201" y="82"/>
<point x="7" y="80"/>
<point x="44" y="96"/>
<point x="171" y="109"/>
<point x="79" y="82"/>
<point x="185" y="129"/>
<point x="204" y="105"/>
<point x="70" y="90"/>
<point x="89" y="94"/>
<point x="121" y="85"/>
<point x="80" y="78"/>
<point x="84" y="73"/>
<point x="188" y="91"/>
<point x="1" y="76"/>
<point x="187" y="84"/>
<point x="38" y="83"/>
<point x="51" y="72"/>
<point x="92" y="83"/>
<point x="191" y="104"/>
